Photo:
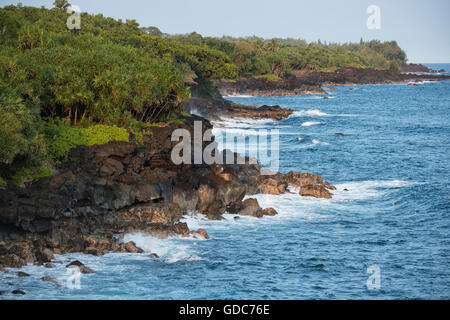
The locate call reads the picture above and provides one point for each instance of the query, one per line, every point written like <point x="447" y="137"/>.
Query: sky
<point x="421" y="28"/>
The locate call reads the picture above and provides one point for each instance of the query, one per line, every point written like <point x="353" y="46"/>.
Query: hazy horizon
<point x="421" y="29"/>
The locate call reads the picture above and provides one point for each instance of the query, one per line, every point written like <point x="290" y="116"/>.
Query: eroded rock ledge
<point x="106" y="191"/>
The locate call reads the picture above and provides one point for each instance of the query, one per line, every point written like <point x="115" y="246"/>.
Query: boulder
<point x="203" y="233"/>
<point x="329" y="186"/>
<point x="131" y="247"/>
<point x="49" y="279"/>
<point x="83" y="269"/>
<point x="270" y="212"/>
<point x="271" y="186"/>
<point x="251" y="208"/>
<point x="18" y="292"/>
<point x="153" y="256"/>
<point x="22" y="274"/>
<point x="316" y="191"/>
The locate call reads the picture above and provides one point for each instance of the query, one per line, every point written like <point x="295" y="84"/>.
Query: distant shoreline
<point x="314" y="82"/>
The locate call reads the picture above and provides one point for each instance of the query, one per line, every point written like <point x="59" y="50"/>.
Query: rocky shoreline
<point x="106" y="191"/>
<point x="210" y="104"/>
<point x="313" y="82"/>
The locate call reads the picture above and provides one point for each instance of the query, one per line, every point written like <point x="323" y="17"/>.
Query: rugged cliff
<point x="105" y="191"/>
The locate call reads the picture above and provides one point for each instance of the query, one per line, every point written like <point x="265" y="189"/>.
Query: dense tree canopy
<point x="257" y="56"/>
<point x="109" y="72"/>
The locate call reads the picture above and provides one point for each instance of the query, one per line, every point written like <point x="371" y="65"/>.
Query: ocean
<point x="393" y="160"/>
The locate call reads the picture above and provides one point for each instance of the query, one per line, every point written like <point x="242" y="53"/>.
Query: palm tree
<point x="61" y="4"/>
<point x="272" y="46"/>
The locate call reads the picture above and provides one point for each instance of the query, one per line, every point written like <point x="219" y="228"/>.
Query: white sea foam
<point x="196" y="112"/>
<point x="311" y="113"/>
<point x="170" y="250"/>
<point x="226" y="122"/>
<point x="311" y="123"/>
<point x="293" y="206"/>
<point x="315" y="141"/>
<point x="361" y="190"/>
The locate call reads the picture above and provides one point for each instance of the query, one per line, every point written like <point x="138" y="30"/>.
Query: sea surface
<point x="393" y="158"/>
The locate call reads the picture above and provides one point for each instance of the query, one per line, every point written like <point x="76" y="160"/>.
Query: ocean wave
<point x="226" y="122"/>
<point x="196" y="112"/>
<point x="170" y="250"/>
<point x="315" y="141"/>
<point x="360" y="190"/>
<point x="311" y="113"/>
<point x="311" y="123"/>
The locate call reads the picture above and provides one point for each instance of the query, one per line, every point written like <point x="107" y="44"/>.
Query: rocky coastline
<point x="314" y="82"/>
<point x="418" y="68"/>
<point x="106" y="191"/>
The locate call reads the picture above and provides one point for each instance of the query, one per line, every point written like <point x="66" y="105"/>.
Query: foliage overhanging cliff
<point x="114" y="74"/>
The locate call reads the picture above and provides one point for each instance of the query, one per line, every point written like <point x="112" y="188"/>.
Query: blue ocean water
<point x="394" y="161"/>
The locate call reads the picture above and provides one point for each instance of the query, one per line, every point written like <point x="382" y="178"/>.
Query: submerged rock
<point x="203" y="233"/>
<point x="83" y="269"/>
<point x="22" y="274"/>
<point x="49" y="279"/>
<point x="153" y="256"/>
<point x="18" y="292"/>
<point x="270" y="212"/>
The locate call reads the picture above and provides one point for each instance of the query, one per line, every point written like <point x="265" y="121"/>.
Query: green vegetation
<point x="29" y="174"/>
<point x="60" y="137"/>
<point x="106" y="79"/>
<point x="256" y="56"/>
<point x="62" y="88"/>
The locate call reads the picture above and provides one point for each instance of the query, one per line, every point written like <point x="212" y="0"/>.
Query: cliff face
<point x="105" y="191"/>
